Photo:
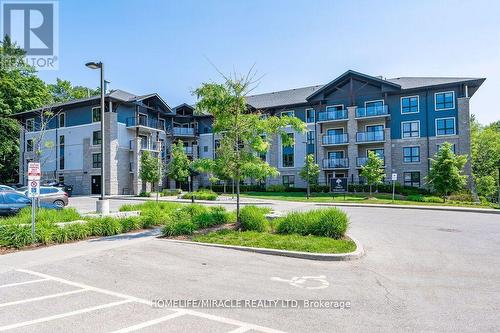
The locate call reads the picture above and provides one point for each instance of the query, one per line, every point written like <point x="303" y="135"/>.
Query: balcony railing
<point x="336" y="139"/>
<point x="183" y="131"/>
<point x="332" y="115"/>
<point x="370" y="136"/>
<point x="336" y="163"/>
<point x="361" y="161"/>
<point x="145" y="122"/>
<point x="372" y="111"/>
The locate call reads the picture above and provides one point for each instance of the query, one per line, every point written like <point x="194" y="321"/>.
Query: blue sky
<point x="163" y="46"/>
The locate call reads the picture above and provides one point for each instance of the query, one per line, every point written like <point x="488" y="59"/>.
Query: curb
<point x="438" y="208"/>
<point x="213" y="202"/>
<point x="358" y="253"/>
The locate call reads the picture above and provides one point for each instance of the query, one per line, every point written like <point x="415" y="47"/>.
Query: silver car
<point x="51" y="195"/>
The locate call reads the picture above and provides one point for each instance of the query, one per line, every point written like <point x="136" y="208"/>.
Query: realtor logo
<point x="33" y="26"/>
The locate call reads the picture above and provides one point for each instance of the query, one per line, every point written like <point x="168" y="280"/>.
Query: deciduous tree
<point x="373" y="170"/>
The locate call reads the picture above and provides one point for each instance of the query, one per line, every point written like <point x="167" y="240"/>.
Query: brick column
<point x="388" y="153"/>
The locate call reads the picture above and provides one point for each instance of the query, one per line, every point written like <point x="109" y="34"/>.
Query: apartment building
<point x="403" y="120"/>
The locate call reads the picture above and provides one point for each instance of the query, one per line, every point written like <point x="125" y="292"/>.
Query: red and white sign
<point x="34" y="171"/>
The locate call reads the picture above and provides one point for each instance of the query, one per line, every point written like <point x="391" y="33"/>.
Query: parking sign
<point x="33" y="188"/>
<point x="34" y="171"/>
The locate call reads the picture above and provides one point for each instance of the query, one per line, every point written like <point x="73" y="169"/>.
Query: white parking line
<point x="150" y="322"/>
<point x="42" y="297"/>
<point x="127" y="298"/>
<point x="21" y="283"/>
<point x="241" y="329"/>
<point x="63" y="315"/>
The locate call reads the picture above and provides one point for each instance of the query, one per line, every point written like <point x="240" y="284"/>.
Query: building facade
<point x="403" y="120"/>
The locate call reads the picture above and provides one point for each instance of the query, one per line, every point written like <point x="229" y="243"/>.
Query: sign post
<point x="338" y="185"/>
<point x="34" y="174"/>
<point x="394" y="178"/>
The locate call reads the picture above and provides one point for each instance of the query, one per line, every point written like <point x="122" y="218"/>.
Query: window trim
<point x="98" y="144"/>
<point x="59" y="119"/>
<point x="32" y="120"/>
<point x="454" y="126"/>
<point x="411" y="156"/>
<point x="93" y="154"/>
<point x="409" y="122"/>
<point x="410" y="172"/>
<point x="288" y="184"/>
<point x="333" y="106"/>
<point x="314" y="115"/>
<point x="92" y="114"/>
<point x="443" y="92"/>
<point x="281" y="150"/>
<point x="418" y="104"/>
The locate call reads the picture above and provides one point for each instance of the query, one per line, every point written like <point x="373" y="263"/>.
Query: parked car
<point x="6" y="188"/>
<point x="67" y="188"/>
<point x="51" y="195"/>
<point x="12" y="202"/>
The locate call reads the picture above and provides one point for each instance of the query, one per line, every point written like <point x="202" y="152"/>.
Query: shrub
<point x="331" y="222"/>
<point x="464" y="196"/>
<point x="320" y="188"/>
<point x="77" y="231"/>
<point x="252" y="219"/>
<point x="45" y="232"/>
<point x="201" y="195"/>
<point x="193" y="210"/>
<point x="15" y="235"/>
<point x="131" y="223"/>
<point x="43" y="215"/>
<point x="60" y="235"/>
<point x="180" y="224"/>
<point x="421" y="198"/>
<point x="145" y="194"/>
<point x="276" y="188"/>
<point x="169" y="193"/>
<point x="104" y="226"/>
<point x="214" y="216"/>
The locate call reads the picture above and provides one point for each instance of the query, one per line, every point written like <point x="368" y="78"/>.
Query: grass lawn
<point x="281" y="242"/>
<point x="378" y="198"/>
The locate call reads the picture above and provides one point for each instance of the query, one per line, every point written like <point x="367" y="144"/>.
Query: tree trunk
<point x="370" y="190"/>
<point x="238" y="222"/>
<point x="308" y="190"/>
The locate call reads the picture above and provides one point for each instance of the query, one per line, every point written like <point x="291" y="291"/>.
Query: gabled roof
<point x="410" y="82"/>
<point x="350" y="72"/>
<point x="281" y="98"/>
<point x="117" y="95"/>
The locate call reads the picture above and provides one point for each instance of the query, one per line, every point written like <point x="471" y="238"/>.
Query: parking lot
<point x="37" y="302"/>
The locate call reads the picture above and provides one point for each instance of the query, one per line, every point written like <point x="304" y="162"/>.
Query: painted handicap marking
<point x="305" y="282"/>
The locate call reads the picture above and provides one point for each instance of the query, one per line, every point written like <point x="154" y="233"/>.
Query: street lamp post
<point x="102" y="204"/>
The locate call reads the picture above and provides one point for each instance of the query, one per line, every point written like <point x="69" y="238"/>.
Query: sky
<point x="171" y="47"/>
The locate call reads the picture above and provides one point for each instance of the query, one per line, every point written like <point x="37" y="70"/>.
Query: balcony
<point x="370" y="137"/>
<point x="333" y="115"/>
<point x="336" y="163"/>
<point x="183" y="131"/>
<point x="145" y="122"/>
<point x="361" y="161"/>
<point x="337" y="139"/>
<point x="372" y="111"/>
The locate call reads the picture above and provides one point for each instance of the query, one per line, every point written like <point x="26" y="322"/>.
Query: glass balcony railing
<point x="335" y="163"/>
<point x="370" y="136"/>
<point x="361" y="161"/>
<point x="372" y="111"/>
<point x="145" y="122"/>
<point x="183" y="131"/>
<point x="336" y="139"/>
<point x="332" y="115"/>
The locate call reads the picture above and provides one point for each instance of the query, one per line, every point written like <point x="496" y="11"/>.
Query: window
<point x="409" y="104"/>
<point x="339" y="107"/>
<point x="411" y="154"/>
<point x="411" y="178"/>
<point x="378" y="151"/>
<point x="445" y="126"/>
<point x="410" y="129"/>
<point x="61" y="152"/>
<point x="374" y="108"/>
<point x="333" y="155"/>
<point x="96" y="138"/>
<point x="310" y="115"/>
<point x="29" y="145"/>
<point x="375" y="128"/>
<point x="289" y="181"/>
<point x="310" y="139"/>
<point x="288" y="154"/>
<point x="288" y="113"/>
<point x="205" y="149"/>
<point x="62" y="119"/>
<point x="96" y="114"/>
<point x="444" y="100"/>
<point x="30" y="125"/>
<point x="453" y="148"/>
<point x="96" y="160"/>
